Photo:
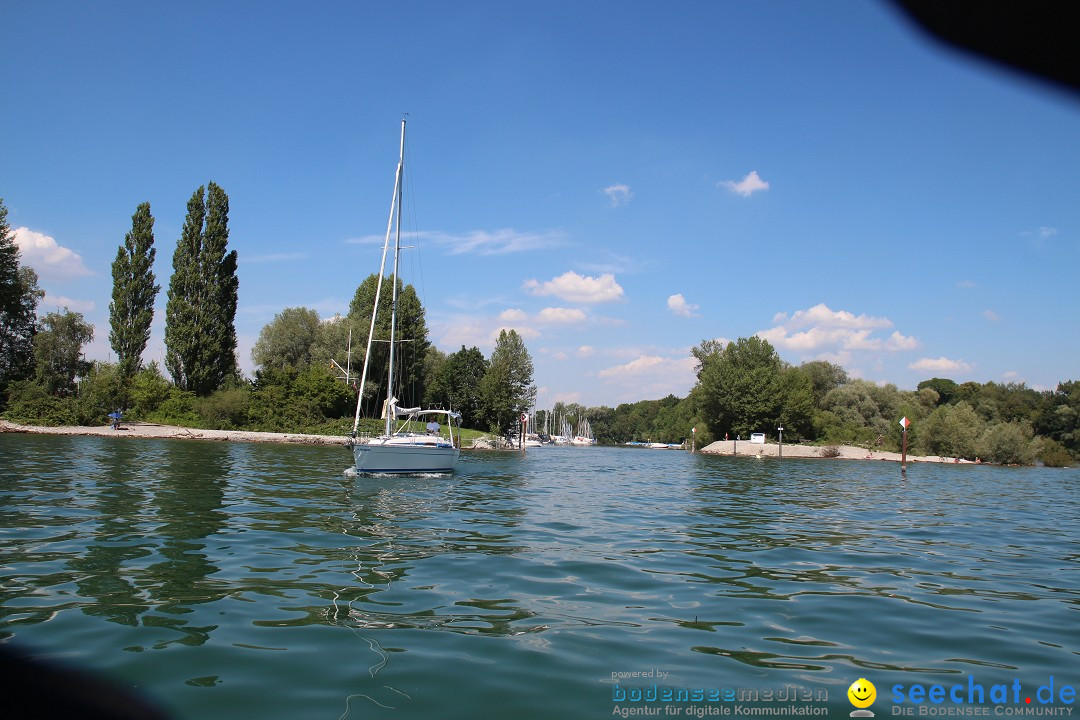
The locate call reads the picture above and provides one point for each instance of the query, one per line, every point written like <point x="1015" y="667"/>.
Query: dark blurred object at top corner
<point x="1038" y="37"/>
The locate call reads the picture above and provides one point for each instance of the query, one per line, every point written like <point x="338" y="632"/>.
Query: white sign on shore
<point x="757" y="438"/>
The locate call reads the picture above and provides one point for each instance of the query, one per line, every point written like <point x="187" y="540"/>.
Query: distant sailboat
<point x="404" y="449"/>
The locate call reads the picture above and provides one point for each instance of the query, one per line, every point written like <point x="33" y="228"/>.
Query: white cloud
<point x="990" y="315"/>
<point x="619" y="195"/>
<point x="526" y="332"/>
<point x="838" y="336"/>
<point x="749" y="185"/>
<point x="50" y="259"/>
<point x="941" y="364"/>
<point x="1047" y="232"/>
<point x="585" y="351"/>
<point x="638" y="366"/>
<point x="822" y="315"/>
<point x="572" y="287"/>
<point x="653" y="376"/>
<point x="491" y="242"/>
<point x="965" y="284"/>
<point x="678" y="305"/>
<point x="513" y="315"/>
<point x="51" y="300"/>
<point x="897" y="341"/>
<point x="560" y="316"/>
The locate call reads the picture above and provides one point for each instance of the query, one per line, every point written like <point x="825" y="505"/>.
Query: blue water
<point x="256" y="581"/>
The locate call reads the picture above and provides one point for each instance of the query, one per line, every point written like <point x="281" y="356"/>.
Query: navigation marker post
<point x="904" y="422"/>
<point x="781" y="429"/>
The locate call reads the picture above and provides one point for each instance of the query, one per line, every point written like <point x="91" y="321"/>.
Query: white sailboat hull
<point x="405" y="455"/>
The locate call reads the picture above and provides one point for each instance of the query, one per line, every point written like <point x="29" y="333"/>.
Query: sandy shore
<point x="151" y="430"/>
<point x="743" y="448"/>
<point x="847" y="452"/>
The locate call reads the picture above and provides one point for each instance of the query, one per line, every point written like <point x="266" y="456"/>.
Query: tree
<point x="823" y="376"/>
<point x="132" y="308"/>
<point x="457" y="385"/>
<point x="946" y="389"/>
<point x="19" y="296"/>
<point x="740" y="388"/>
<point x="507" y="386"/>
<point x="58" y="351"/>
<point x="952" y="430"/>
<point x="411" y="333"/>
<point x="287" y="340"/>
<point x="200" y="330"/>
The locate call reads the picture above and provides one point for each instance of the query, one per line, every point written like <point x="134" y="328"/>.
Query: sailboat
<point x="412" y="441"/>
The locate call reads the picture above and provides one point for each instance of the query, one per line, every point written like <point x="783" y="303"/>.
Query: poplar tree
<point x="200" y="330"/>
<point x="132" y="308"/>
<point x="19" y="296"/>
<point x="507" y="387"/>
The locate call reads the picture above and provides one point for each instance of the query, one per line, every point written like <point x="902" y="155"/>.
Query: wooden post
<point x="904" y="422"/>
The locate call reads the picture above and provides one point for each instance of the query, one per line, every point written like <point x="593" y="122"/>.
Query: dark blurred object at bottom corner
<point x="39" y="689"/>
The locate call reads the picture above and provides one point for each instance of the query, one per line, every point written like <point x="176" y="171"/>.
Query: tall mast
<point x="393" y="301"/>
<point x="378" y="286"/>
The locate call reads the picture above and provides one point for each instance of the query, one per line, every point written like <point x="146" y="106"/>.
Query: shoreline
<point x="174" y="432"/>
<point x="745" y="448"/>
<point x="727" y="448"/>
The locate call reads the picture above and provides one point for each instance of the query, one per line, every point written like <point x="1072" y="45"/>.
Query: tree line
<point x="298" y="386"/>
<point x="744" y="387"/>
<point x="307" y="377"/>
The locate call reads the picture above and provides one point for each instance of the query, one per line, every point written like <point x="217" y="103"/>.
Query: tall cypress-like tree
<point x="200" y="330"/>
<point x="19" y="296"/>
<point x="132" y="308"/>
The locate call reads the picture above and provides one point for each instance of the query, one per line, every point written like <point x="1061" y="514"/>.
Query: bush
<point x="830" y="451"/>
<point x="178" y="408"/>
<point x="225" y="409"/>
<point x="1009" y="443"/>
<point x="30" y="404"/>
<point x="1054" y="454"/>
<point x="149" y="389"/>
<point x="101" y="392"/>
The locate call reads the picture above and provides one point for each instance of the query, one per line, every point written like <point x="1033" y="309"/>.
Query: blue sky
<point x="618" y="181"/>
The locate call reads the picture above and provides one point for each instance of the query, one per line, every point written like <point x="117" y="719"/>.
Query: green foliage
<point x="178" y="408"/>
<point x="58" y="351"/>
<point x="1052" y="454"/>
<point x="1010" y="443"/>
<point x="287" y="340"/>
<point x="19" y="296"/>
<point x="860" y="412"/>
<point x="950" y="430"/>
<point x="456" y="385"/>
<point x="225" y="409"/>
<point x="742" y="388"/>
<point x="29" y="403"/>
<point x="1058" y="417"/>
<point x="132" y="308"/>
<point x="147" y="391"/>
<point x="101" y="392"/>
<point x="290" y="400"/>
<point x="945" y="388"/>
<point x="200" y="331"/>
<point x="507" y="386"/>
<point x="411" y="333"/>
<point x="823" y="376"/>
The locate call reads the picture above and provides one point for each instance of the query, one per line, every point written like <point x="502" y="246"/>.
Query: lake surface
<point x="241" y="580"/>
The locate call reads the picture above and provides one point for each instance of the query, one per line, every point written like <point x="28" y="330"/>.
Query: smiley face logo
<point x="862" y="693"/>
